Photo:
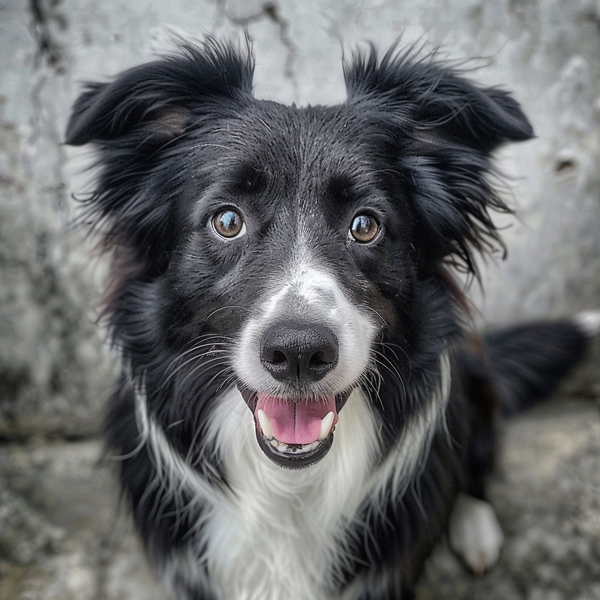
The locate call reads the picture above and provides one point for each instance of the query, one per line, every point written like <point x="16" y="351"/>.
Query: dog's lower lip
<point x="294" y="456"/>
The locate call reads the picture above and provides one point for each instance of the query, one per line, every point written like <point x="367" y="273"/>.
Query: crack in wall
<point x="49" y="64"/>
<point x="269" y="11"/>
<point x="48" y="49"/>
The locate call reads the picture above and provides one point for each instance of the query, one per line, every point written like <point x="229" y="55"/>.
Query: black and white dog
<point x="301" y="415"/>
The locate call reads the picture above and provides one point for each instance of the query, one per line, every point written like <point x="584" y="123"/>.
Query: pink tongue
<point x="296" y="422"/>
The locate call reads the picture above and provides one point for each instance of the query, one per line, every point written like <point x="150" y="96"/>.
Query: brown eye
<point x="228" y="223"/>
<point x="364" y="228"/>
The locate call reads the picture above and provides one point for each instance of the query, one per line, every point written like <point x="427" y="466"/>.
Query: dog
<point x="303" y="410"/>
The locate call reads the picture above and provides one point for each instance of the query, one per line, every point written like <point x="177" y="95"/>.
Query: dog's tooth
<point x="326" y="424"/>
<point x="265" y="424"/>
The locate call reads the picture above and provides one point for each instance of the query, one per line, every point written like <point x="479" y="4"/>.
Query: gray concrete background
<point x="58" y="537"/>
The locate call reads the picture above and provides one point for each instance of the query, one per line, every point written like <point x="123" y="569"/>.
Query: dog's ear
<point x="133" y="120"/>
<point x="439" y="131"/>
<point x="154" y="100"/>
<point x="437" y="99"/>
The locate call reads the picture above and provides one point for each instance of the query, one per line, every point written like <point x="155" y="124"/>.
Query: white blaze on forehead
<point x="307" y="293"/>
<point x="274" y="300"/>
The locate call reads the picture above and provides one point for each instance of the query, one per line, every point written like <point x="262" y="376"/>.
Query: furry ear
<point x="108" y="111"/>
<point x="440" y="130"/>
<point x="158" y="97"/>
<point x="436" y="98"/>
<point x="136" y="118"/>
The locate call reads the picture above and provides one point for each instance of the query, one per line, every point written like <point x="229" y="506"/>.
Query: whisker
<point x="187" y="362"/>
<point x="227" y="368"/>
<point x="202" y="366"/>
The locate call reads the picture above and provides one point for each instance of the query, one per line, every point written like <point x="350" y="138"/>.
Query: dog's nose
<point x="299" y="353"/>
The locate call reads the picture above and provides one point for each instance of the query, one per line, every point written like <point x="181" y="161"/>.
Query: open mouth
<point x="294" y="433"/>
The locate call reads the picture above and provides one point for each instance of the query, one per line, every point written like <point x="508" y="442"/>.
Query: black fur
<point x="413" y="145"/>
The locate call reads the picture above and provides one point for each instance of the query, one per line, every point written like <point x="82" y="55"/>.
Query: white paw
<point x="588" y="322"/>
<point x="475" y="534"/>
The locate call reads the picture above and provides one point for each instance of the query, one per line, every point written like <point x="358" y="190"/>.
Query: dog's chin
<point x="294" y="456"/>
<point x="294" y="433"/>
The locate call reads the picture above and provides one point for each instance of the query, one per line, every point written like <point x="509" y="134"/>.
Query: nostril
<point x="318" y="358"/>
<point x="278" y="357"/>
<point x="328" y="353"/>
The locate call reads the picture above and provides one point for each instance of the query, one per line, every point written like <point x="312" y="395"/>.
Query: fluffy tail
<point x="527" y="362"/>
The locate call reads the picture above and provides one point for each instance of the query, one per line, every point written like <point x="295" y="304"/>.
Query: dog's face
<point x="289" y="237"/>
<point x="291" y="252"/>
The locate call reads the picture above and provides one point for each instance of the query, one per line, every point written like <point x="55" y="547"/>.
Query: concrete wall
<point x="544" y="50"/>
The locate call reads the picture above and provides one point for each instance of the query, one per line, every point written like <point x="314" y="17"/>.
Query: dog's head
<point x="295" y="253"/>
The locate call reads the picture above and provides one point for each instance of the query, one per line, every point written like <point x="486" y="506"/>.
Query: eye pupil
<point x="228" y="223"/>
<point x="364" y="228"/>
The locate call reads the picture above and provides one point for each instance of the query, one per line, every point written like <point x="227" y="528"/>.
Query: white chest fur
<point x="273" y="537"/>
<point x="275" y="534"/>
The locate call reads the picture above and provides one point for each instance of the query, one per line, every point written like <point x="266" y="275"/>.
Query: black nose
<point x="298" y="353"/>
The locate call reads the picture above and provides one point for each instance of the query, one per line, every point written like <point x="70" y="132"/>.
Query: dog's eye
<point x="228" y="223"/>
<point x="364" y="228"/>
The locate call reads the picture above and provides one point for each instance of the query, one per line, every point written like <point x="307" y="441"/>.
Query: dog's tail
<point x="527" y="362"/>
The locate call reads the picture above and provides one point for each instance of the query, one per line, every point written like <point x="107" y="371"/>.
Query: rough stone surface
<point x="81" y="545"/>
<point x="546" y="494"/>
<point x="53" y="375"/>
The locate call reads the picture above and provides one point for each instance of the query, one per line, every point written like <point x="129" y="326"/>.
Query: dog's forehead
<point x="310" y="164"/>
<point x="295" y="139"/>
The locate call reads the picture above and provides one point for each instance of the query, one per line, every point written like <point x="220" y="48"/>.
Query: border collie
<point x="302" y="413"/>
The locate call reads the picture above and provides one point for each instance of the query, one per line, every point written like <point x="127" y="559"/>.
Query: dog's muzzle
<point x="296" y="432"/>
